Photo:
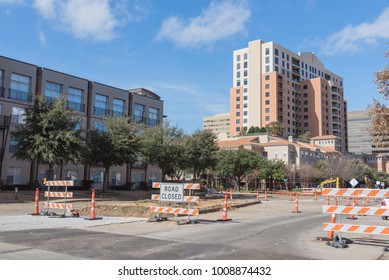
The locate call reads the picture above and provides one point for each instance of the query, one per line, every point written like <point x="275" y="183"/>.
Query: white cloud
<point x="353" y="38"/>
<point x="91" y="19"/>
<point x="219" y="20"/>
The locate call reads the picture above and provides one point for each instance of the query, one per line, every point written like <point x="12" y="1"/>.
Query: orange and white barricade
<point x="174" y="192"/>
<point x="49" y="194"/>
<point x="353" y="210"/>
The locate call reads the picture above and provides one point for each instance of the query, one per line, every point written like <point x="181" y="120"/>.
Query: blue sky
<point x="182" y="50"/>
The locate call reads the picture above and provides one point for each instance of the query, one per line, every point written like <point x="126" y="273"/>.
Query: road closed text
<point x="172" y="192"/>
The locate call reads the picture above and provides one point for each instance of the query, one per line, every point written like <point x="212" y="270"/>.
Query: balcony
<point x="75" y="106"/>
<point x="97" y="111"/>
<point x="20" y="95"/>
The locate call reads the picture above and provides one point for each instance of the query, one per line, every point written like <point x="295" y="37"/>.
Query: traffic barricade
<point x="174" y="192"/>
<point x="55" y="194"/>
<point x="339" y="210"/>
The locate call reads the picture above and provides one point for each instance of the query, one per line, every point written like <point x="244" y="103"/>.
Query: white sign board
<point x="353" y="182"/>
<point x="172" y="192"/>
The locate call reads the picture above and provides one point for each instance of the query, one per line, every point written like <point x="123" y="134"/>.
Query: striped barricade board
<point x="369" y="211"/>
<point x="187" y="186"/>
<point x="177" y="211"/>
<point x="58" y="194"/>
<point x="186" y="198"/>
<point x="58" y="206"/>
<point x="356" y="228"/>
<point x="356" y="192"/>
<point x="59" y="183"/>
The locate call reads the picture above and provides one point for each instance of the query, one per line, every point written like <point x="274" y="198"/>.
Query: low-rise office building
<point x="92" y="101"/>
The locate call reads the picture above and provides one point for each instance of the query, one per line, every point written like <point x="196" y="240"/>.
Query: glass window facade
<point x="118" y="108"/>
<point x="52" y="90"/>
<point x="139" y="113"/>
<point x="20" y="87"/>
<point x="75" y="99"/>
<point x="101" y="105"/>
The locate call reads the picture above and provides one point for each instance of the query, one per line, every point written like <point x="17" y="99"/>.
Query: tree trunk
<point x="105" y="180"/>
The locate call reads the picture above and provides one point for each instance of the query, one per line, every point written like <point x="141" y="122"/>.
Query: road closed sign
<point x="172" y="192"/>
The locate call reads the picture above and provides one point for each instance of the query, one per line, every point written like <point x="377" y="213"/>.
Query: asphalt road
<point x="269" y="230"/>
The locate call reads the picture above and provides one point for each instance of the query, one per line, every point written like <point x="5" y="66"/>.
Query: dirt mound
<point x="141" y="209"/>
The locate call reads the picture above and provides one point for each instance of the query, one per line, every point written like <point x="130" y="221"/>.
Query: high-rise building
<point x="359" y="138"/>
<point x="219" y="123"/>
<point x="274" y="84"/>
<point x="92" y="101"/>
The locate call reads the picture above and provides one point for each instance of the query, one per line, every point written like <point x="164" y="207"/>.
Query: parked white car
<point x="385" y="204"/>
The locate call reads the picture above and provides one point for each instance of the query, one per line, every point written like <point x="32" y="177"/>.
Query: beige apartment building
<point x="218" y="124"/>
<point x="274" y="84"/>
<point x="294" y="153"/>
<point x="92" y="101"/>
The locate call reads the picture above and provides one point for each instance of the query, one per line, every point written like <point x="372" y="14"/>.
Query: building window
<point x="153" y="116"/>
<point x="267" y="110"/>
<point x="237" y="114"/>
<point x="72" y="175"/>
<point x="237" y="106"/>
<point x="276" y="60"/>
<point x="267" y="118"/>
<point x="75" y="99"/>
<point x="118" y="108"/>
<point x="245" y="56"/>
<point x="245" y="121"/>
<point x="52" y="90"/>
<point x="267" y="51"/>
<point x="14" y="175"/>
<point x="238" y="66"/>
<point x="237" y="129"/>
<point x="238" y="74"/>
<point x="245" y="73"/>
<point x="245" y="64"/>
<point x="244" y="113"/>
<point x="245" y="97"/>
<point x="245" y="82"/>
<point x="12" y="145"/>
<point x="100" y="126"/>
<point x="267" y="102"/>
<point x="238" y="91"/>
<point x="267" y="77"/>
<point x="267" y="94"/>
<point x="238" y="98"/>
<point x="245" y="105"/>
<point x="18" y="115"/>
<point x="139" y="113"/>
<point x="267" y="59"/>
<point x="101" y="105"/>
<point x="238" y="83"/>
<point x="238" y="57"/>
<point x="116" y="178"/>
<point x="276" y="51"/>
<point x="20" y="87"/>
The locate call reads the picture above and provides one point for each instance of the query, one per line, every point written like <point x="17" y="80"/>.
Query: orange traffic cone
<point x="352" y="217"/>
<point x="296" y="204"/>
<point x="225" y="206"/>
<point x="93" y="209"/>
<point x="36" y="211"/>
